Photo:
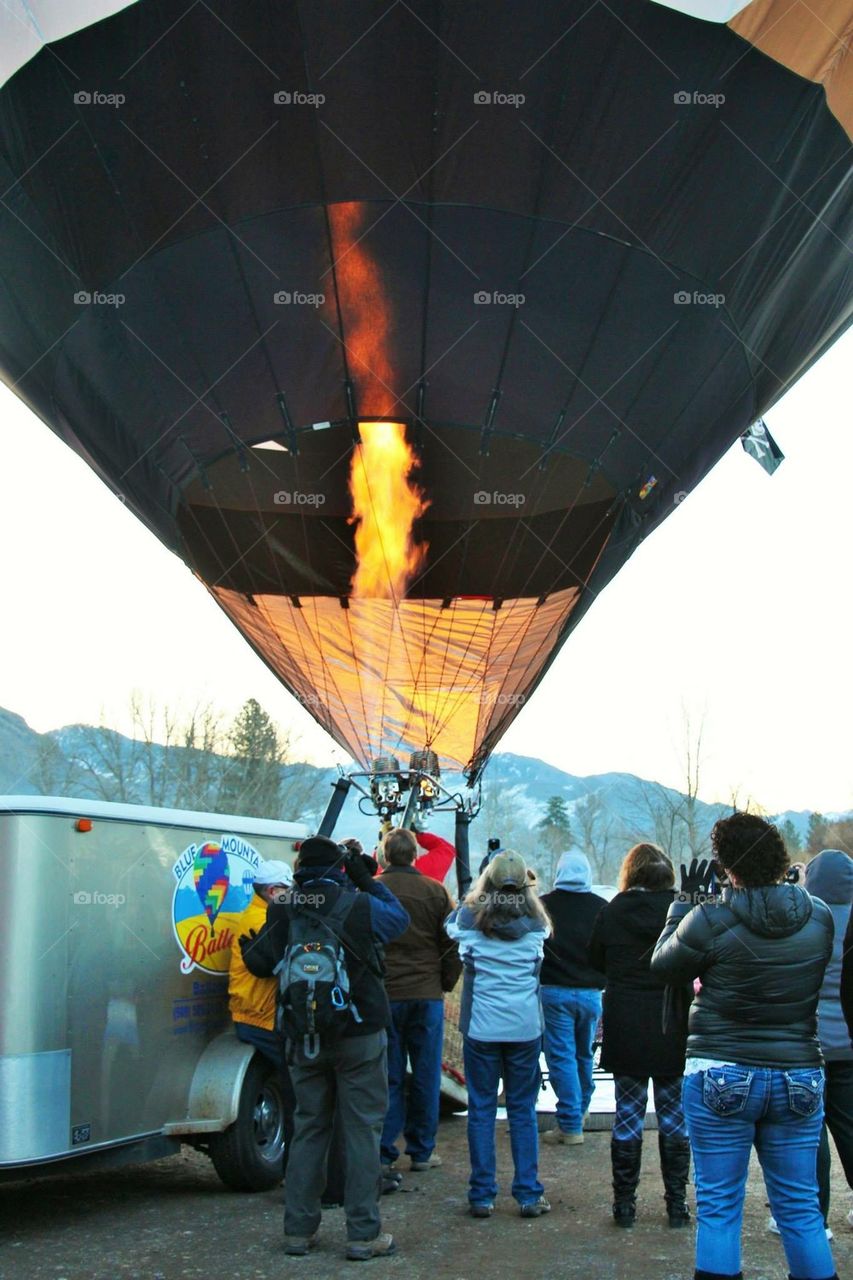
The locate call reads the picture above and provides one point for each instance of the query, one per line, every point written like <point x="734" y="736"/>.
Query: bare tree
<point x="52" y="771"/>
<point x="596" y="829"/>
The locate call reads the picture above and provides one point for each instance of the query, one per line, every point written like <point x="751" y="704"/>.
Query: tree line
<point x="199" y="760"/>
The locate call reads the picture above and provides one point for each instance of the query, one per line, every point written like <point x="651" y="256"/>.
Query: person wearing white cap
<point x="250" y="999"/>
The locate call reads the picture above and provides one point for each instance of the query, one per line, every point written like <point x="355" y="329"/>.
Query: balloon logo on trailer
<point x="213" y="885"/>
<point x="211" y="878"/>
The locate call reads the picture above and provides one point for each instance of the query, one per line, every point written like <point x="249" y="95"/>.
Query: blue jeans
<point x="416" y="1033"/>
<point x="571" y="1015"/>
<point x="728" y="1111"/>
<point x="517" y="1063"/>
<point x="267" y="1042"/>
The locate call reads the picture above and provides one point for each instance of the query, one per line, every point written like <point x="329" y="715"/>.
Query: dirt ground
<point x="173" y="1219"/>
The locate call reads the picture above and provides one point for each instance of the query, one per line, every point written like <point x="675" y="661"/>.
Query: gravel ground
<point x="173" y="1219"/>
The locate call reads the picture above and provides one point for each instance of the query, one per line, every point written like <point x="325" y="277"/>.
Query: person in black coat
<point x="754" y="1070"/>
<point x="635" y="1046"/>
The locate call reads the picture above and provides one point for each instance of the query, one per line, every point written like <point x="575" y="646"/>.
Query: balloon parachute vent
<point x="425" y="762"/>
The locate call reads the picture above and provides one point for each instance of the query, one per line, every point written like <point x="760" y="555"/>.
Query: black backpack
<point x="314" y="996"/>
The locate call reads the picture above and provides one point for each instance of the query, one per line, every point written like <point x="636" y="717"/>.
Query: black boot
<point x="675" y="1168"/>
<point x="625" y="1160"/>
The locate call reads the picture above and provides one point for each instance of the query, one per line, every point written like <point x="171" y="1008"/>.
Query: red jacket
<point x="438" y="859"/>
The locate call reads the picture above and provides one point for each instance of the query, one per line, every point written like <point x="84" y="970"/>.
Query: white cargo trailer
<point x="115" y="1039"/>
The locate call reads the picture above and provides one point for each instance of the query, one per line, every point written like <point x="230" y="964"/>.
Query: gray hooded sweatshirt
<point x="829" y="877"/>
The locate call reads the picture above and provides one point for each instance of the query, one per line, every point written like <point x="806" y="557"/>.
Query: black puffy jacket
<point x="761" y="955"/>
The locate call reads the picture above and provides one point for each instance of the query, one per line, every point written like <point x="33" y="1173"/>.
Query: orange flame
<point x="386" y="502"/>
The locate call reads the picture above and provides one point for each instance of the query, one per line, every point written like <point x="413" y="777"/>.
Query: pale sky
<point x="736" y="608"/>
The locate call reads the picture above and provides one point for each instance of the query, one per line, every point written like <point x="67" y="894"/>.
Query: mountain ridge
<point x="607" y="812"/>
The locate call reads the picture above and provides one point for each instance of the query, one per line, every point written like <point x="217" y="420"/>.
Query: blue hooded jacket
<point x="829" y="876"/>
<point x="500" y="989"/>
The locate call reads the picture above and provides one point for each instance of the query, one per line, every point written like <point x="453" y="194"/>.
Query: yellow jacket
<point x="250" y="999"/>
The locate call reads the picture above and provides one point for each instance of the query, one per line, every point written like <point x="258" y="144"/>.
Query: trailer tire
<point x="248" y="1155"/>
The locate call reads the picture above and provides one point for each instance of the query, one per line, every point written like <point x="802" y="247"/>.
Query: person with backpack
<point x="333" y="1013"/>
<point x="501" y="929"/>
<point x="571" y="995"/>
<point x="421" y="965"/>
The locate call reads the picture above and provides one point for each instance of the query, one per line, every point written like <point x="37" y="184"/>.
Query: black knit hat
<point x="320" y="851"/>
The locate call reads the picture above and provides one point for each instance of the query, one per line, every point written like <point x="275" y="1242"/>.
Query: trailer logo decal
<point x="213" y="886"/>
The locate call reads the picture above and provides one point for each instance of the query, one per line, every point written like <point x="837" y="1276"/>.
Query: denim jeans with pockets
<point x="729" y="1110"/>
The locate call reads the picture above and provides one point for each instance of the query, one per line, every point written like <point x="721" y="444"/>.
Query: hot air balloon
<point x="404" y="325"/>
<point x="211" y="879"/>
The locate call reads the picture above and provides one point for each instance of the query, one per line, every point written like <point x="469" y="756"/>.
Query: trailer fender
<point x="214" y="1096"/>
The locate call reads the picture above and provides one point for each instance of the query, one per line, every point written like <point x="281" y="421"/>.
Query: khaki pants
<point x="353" y="1075"/>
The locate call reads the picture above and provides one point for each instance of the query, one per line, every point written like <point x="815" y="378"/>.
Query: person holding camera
<point x="753" y="1075"/>
<point x="420" y="966"/>
<point x="501" y="929"/>
<point x="342" y="1060"/>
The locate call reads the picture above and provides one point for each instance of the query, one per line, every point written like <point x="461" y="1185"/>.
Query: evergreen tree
<point x="816" y="835"/>
<point x="791" y="836"/>
<point x="252" y="781"/>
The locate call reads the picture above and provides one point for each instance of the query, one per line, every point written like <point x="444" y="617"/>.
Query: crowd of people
<point x="731" y="994"/>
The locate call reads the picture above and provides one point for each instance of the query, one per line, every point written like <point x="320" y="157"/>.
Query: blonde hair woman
<point x="501" y="929"/>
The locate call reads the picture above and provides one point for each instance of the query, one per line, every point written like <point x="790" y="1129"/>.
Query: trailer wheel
<point x="248" y="1155"/>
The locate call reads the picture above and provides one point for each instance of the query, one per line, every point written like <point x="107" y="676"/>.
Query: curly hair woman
<point x="501" y="929"/>
<point x="636" y="1048"/>
<point x="754" y="1071"/>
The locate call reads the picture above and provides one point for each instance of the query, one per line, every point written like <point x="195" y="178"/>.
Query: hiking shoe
<point x="773" y="1226"/>
<point x="481" y="1209"/>
<point x="298" y="1246"/>
<point x="421" y="1166"/>
<point x="536" y="1208"/>
<point x="557" y="1137"/>
<point x="363" y="1250"/>
<point x="391" y="1182"/>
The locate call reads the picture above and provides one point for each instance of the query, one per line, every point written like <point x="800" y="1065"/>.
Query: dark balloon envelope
<point x="604" y="241"/>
